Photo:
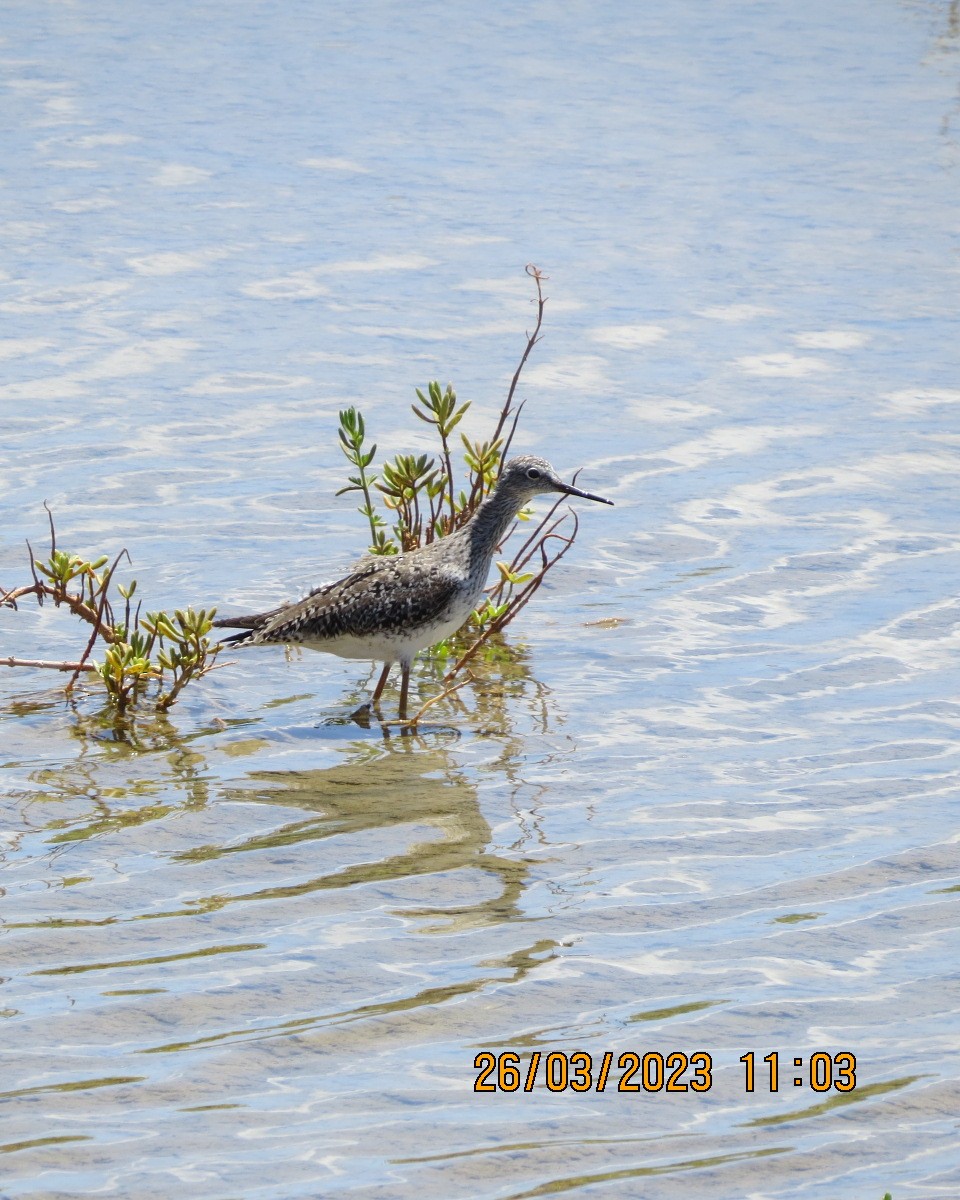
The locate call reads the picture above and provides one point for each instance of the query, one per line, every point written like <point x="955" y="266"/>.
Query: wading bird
<point x="388" y="608"/>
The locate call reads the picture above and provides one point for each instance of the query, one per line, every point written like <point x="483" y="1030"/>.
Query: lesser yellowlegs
<point x="388" y="608"/>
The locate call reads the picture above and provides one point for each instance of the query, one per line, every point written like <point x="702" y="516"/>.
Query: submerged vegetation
<point x="407" y="502"/>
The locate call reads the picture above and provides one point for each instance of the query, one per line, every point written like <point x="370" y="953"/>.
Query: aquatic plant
<point x="154" y="653"/>
<point x="423" y="500"/>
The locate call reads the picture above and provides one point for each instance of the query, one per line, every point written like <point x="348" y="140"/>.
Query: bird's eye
<point x="533" y="473"/>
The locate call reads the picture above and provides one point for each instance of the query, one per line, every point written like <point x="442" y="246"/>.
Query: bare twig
<point x="513" y="429"/>
<point x="77" y="605"/>
<point x="538" y="278"/>
<point x="411" y="723"/>
<point x="81" y="609"/>
<point x="522" y="598"/>
<point x="36" y="578"/>
<point x="50" y="666"/>
<point x="508" y="411"/>
<point x="53" y="532"/>
<point x="14" y="594"/>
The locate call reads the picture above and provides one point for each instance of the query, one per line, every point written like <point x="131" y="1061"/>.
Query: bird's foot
<point x="362" y="715"/>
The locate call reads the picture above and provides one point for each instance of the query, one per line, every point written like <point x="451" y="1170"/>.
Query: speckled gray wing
<point x="380" y="596"/>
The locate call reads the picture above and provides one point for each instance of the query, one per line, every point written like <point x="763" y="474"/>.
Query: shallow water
<point x="705" y="801"/>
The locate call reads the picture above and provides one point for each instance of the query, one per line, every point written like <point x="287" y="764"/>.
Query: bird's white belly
<point x="390" y="646"/>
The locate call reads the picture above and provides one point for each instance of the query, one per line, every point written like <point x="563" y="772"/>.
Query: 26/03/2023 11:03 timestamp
<point x="654" y="1071"/>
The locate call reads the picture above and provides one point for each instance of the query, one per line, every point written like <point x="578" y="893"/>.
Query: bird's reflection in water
<point x="407" y="789"/>
<point x="397" y="787"/>
<point x="397" y="780"/>
<point x="501" y="674"/>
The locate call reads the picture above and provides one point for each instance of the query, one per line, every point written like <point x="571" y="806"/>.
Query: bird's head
<point x="528" y="476"/>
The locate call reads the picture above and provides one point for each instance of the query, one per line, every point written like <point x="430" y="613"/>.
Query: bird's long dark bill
<point x="572" y="491"/>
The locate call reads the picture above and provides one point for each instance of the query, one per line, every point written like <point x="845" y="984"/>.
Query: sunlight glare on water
<point x="707" y="800"/>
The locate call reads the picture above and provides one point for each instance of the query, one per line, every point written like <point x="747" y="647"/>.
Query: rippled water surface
<point x="707" y="799"/>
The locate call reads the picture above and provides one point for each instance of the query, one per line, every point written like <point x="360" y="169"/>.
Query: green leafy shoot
<point x="352" y="434"/>
<point x="155" y="655"/>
